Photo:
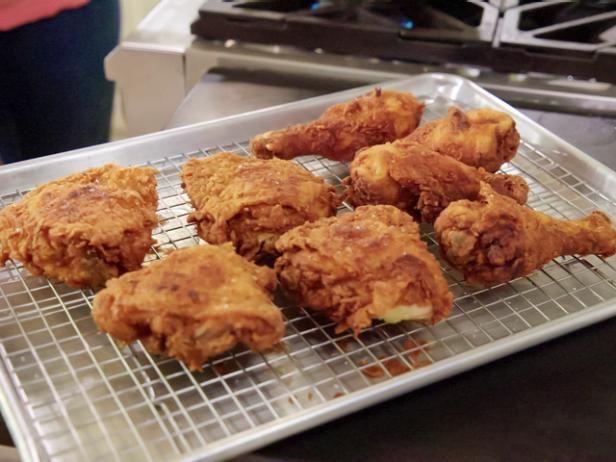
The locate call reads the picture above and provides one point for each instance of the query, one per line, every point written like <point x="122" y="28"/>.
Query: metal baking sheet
<point x="69" y="392"/>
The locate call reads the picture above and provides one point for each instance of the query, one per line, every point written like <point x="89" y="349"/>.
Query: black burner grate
<point x="558" y="37"/>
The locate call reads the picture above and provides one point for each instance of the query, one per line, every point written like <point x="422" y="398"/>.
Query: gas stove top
<point x="562" y="37"/>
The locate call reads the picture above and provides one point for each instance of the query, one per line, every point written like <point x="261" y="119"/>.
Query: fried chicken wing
<point x="365" y="265"/>
<point x="251" y="202"/>
<point x="479" y="138"/>
<point x="375" y="118"/>
<point x="85" y="228"/>
<point x="197" y="303"/>
<point x="494" y="240"/>
<point x="420" y="181"/>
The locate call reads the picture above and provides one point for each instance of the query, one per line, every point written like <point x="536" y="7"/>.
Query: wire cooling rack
<point x="84" y="398"/>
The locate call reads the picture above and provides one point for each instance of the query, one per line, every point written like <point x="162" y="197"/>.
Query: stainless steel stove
<point x="561" y="37"/>
<point x="551" y="55"/>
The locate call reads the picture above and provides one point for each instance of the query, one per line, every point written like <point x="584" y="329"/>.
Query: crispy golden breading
<point x="197" y="303"/>
<point x="420" y="181"/>
<point x="251" y="202"/>
<point x="365" y="265"/>
<point x="85" y="228"/>
<point x="375" y="118"/>
<point x="495" y="240"/>
<point x="479" y="138"/>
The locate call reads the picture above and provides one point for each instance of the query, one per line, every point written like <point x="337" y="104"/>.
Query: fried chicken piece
<point x="420" y="181"/>
<point x="495" y="240"/>
<point x="251" y="202"/>
<point x="479" y="138"/>
<point x="365" y="265"/>
<point x="84" y="228"/>
<point x="197" y="303"/>
<point x="375" y="118"/>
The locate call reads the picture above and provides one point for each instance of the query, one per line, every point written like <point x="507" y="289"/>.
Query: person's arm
<point x="15" y="13"/>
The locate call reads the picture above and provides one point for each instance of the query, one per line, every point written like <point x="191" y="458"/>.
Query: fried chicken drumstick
<point x="85" y="228"/>
<point x="495" y="240"/>
<point x="197" y="303"/>
<point x="420" y="181"/>
<point x="251" y="202"/>
<point x="479" y="138"/>
<point x="375" y="118"/>
<point x="365" y="265"/>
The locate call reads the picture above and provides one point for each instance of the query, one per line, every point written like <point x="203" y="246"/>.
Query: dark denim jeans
<point x="53" y="93"/>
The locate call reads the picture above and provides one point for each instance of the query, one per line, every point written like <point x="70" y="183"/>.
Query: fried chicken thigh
<point x="375" y="118"/>
<point x="85" y="228"/>
<point x="495" y="240"/>
<point x="365" y="265"/>
<point x="479" y="138"/>
<point x="197" y="303"/>
<point x="420" y="181"/>
<point x="251" y="202"/>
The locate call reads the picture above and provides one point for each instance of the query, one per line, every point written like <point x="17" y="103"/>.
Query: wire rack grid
<point x="84" y="397"/>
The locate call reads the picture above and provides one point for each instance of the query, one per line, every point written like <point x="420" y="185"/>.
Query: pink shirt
<point x="15" y="13"/>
